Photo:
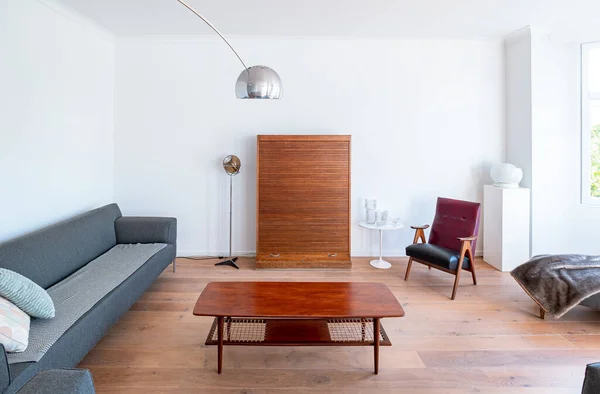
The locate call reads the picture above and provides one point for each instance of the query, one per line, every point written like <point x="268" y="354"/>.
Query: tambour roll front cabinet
<point x="303" y="201"/>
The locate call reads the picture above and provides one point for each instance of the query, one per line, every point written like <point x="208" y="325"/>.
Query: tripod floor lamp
<point x="232" y="166"/>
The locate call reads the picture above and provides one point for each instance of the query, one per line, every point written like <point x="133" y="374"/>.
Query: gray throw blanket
<point x="78" y="293"/>
<point x="557" y="283"/>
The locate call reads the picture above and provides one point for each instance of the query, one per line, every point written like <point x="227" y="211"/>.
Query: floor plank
<point x="489" y="340"/>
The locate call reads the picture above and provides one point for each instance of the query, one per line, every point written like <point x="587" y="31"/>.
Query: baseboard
<point x="251" y="253"/>
<point x="199" y="253"/>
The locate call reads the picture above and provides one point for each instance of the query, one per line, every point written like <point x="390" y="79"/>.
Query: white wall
<point x="561" y="224"/>
<point x="56" y="124"/>
<point x="517" y="49"/>
<point x="543" y="132"/>
<point x="426" y="119"/>
<point x="518" y="133"/>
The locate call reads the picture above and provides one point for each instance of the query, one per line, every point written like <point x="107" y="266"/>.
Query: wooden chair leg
<point x="464" y="250"/>
<point x="408" y="269"/>
<point x="542" y="313"/>
<point x="472" y="259"/>
<point x="455" y="284"/>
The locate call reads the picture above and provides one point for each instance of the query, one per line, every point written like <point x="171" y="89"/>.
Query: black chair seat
<point x="436" y="255"/>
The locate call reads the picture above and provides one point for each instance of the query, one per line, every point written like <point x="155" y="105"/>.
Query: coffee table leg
<point x="220" y="337"/>
<point x="376" y="343"/>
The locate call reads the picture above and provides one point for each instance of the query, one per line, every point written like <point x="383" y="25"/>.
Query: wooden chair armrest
<point x="419" y="233"/>
<point x="465" y="239"/>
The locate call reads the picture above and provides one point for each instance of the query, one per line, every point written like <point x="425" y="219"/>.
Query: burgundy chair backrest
<point x="453" y="219"/>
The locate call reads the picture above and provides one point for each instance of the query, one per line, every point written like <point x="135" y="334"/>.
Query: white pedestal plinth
<point x="505" y="227"/>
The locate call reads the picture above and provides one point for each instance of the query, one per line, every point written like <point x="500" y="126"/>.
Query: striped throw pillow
<point x="26" y="294"/>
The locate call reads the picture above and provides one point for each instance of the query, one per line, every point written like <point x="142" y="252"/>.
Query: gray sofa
<point x="591" y="383"/>
<point x="52" y="254"/>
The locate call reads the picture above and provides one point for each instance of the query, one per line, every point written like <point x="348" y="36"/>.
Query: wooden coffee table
<point x="297" y="314"/>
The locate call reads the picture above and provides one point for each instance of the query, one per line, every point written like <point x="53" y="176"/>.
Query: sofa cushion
<point x="78" y="340"/>
<point x="25" y="294"/>
<point x="78" y="294"/>
<point x="437" y="255"/>
<point x="14" y="327"/>
<point x="49" y="255"/>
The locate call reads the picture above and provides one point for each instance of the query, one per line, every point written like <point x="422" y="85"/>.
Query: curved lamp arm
<point x="214" y="28"/>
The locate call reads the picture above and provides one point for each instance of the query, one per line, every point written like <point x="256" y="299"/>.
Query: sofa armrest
<point x="4" y="371"/>
<point x="146" y="230"/>
<point x="64" y="381"/>
<point x="591" y="382"/>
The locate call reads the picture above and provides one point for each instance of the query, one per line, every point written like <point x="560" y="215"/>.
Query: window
<point x="590" y="124"/>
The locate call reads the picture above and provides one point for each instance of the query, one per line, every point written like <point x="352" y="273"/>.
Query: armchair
<point x="451" y="242"/>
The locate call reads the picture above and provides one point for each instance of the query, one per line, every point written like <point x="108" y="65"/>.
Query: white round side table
<point x="381" y="263"/>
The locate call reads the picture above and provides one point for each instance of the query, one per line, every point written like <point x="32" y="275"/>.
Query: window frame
<point x="585" y="97"/>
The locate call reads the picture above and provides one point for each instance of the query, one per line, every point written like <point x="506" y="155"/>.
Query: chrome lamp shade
<point x="258" y="82"/>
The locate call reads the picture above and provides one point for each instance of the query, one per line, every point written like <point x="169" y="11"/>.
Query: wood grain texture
<point x="297" y="300"/>
<point x="489" y="340"/>
<point x="303" y="201"/>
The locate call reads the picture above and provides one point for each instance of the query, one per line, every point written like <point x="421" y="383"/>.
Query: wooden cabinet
<point x="303" y="201"/>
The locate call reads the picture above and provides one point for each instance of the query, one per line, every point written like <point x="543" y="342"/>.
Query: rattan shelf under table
<point x="297" y="332"/>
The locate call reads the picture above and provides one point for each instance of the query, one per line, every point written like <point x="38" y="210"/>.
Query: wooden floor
<point x="489" y="340"/>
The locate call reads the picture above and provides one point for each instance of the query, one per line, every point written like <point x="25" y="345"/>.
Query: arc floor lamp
<point x="256" y="82"/>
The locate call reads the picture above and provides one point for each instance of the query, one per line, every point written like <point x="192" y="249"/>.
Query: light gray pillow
<point x="26" y="294"/>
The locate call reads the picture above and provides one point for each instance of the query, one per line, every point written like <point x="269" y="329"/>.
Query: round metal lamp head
<point x="258" y="82"/>
<point x="232" y="165"/>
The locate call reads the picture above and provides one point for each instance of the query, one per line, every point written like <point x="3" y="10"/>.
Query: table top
<point x="298" y="300"/>
<point x="387" y="226"/>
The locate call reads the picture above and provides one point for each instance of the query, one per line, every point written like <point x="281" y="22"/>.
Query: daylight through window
<point x="590" y="123"/>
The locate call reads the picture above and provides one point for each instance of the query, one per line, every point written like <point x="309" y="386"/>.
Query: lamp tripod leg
<point x="230" y="262"/>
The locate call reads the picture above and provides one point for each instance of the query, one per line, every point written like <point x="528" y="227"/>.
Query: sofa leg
<point x="174" y="265"/>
